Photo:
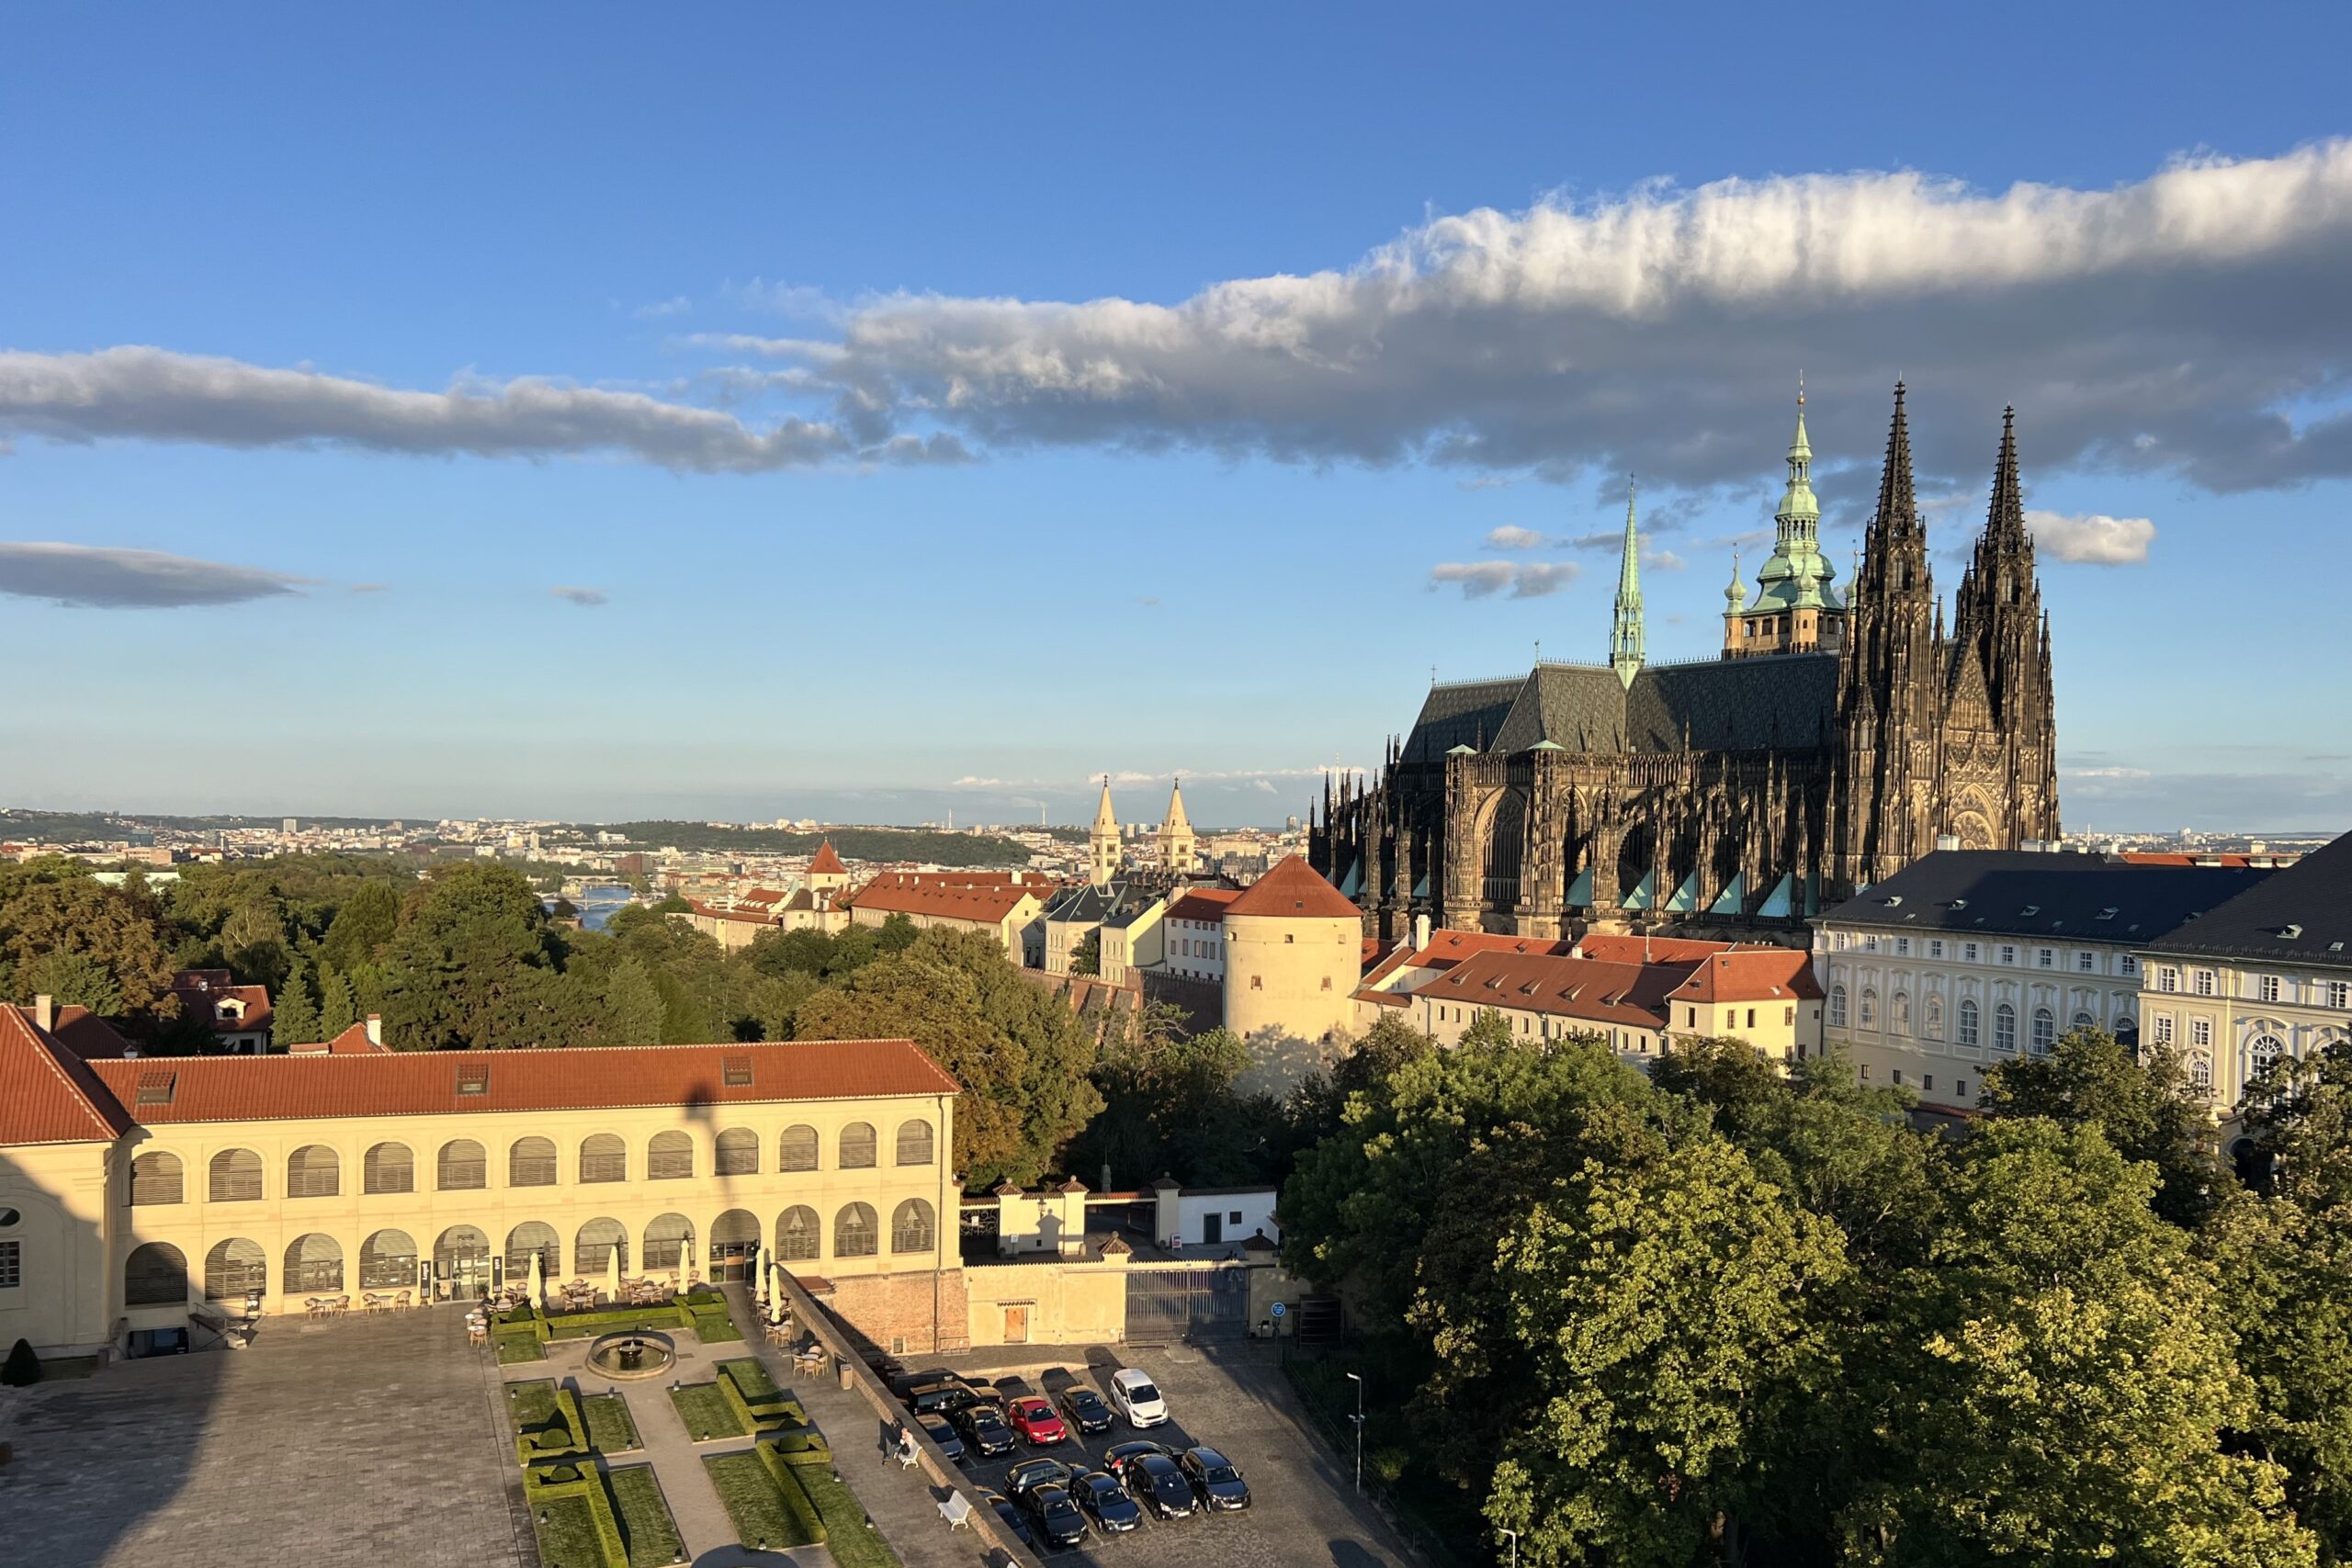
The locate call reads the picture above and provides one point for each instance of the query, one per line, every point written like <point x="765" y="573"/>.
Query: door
<point x="1016" y="1325"/>
<point x="1211" y="1229"/>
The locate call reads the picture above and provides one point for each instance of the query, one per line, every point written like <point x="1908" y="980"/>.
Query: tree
<point x="2145" y="1108"/>
<point x="338" y="1010"/>
<point x="74" y="980"/>
<point x="634" y="1011"/>
<point x="361" y="928"/>
<point x="2058" y="1385"/>
<point x="471" y="964"/>
<point x="294" y="1019"/>
<point x="1170" y="1106"/>
<point x="1488" y="1031"/>
<point x="52" y="907"/>
<point x="1087" y="957"/>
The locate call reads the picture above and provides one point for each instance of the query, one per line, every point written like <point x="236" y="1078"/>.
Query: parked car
<point x="939" y="1430"/>
<point x="1055" y="1516"/>
<point x="984" y="1430"/>
<point x="1137" y="1397"/>
<point x="1016" y="1524"/>
<point x="1085" y="1410"/>
<point x="1120" y="1456"/>
<point x="1106" y="1501"/>
<point x="943" y="1398"/>
<point x="1037" y="1421"/>
<point x="1216" y="1478"/>
<point x="1035" y="1472"/>
<point x="1153" y="1477"/>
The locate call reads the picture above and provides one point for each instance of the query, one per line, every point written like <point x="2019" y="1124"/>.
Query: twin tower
<point x="1178" y="848"/>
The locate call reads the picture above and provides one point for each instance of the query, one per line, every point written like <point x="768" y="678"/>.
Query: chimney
<point x="375" y="1029"/>
<point x="1420" y="932"/>
<point x="44" y="1012"/>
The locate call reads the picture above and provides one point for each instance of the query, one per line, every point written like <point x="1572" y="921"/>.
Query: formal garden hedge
<point x="525" y="1332"/>
<point x="587" y="1517"/>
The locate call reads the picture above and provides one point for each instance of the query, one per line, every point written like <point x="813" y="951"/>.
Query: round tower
<point x="1293" y="955"/>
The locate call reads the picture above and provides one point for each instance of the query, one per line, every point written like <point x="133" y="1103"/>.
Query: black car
<point x="943" y="1398"/>
<point x="1154" y="1477"/>
<point x="1086" y="1410"/>
<point x="1100" y="1494"/>
<point x="1057" y="1517"/>
<point x="939" y="1430"/>
<point x="984" y="1430"/>
<point x="1216" y="1478"/>
<point x="1014" y="1525"/>
<point x="1031" y="1473"/>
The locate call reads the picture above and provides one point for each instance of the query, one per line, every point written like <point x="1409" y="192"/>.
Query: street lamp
<point x="1514" y="1545"/>
<point x="1358" y="1379"/>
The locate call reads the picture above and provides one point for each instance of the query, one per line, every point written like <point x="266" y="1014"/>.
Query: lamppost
<point x="1358" y="1379"/>
<point x="1514" y="1545"/>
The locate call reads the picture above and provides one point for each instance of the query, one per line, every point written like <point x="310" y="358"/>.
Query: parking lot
<point x="1234" y="1398"/>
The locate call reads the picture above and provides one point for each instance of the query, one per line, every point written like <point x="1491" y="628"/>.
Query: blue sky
<point x="902" y="398"/>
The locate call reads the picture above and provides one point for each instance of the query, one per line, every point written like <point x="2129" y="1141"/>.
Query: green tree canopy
<point x="2145" y="1107"/>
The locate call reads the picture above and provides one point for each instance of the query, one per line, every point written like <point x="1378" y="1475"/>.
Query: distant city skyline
<point x="874" y="448"/>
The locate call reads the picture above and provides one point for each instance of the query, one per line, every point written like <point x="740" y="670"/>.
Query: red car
<point x="1036" y="1420"/>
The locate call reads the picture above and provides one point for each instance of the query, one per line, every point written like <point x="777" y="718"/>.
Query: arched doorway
<point x="462" y="1263"/>
<point x="734" y="1245"/>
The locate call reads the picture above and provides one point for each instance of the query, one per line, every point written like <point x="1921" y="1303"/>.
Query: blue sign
<point x="1280" y="1309"/>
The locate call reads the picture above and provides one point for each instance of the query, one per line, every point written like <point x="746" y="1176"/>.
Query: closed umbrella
<point x="767" y="1287"/>
<point x="613" y="1273"/>
<point x="775" y="1307"/>
<point x="539" y="1282"/>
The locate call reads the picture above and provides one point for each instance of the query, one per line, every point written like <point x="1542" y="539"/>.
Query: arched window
<point x="313" y="1263"/>
<point x="233" y="1269"/>
<point x="857" y="1147"/>
<point x="669" y="1242"/>
<point x="313" y="1171"/>
<point x="914" y="1141"/>
<point x="670" y="1157"/>
<point x="604" y="1157"/>
<point x="1931" y="1017"/>
<point x="2085" y="1021"/>
<point x="1898" y="1014"/>
<point x="462" y="1253"/>
<point x="525" y="1240"/>
<point x="1967" y="1021"/>
<point x="155" y="1179"/>
<point x="387" y="1261"/>
<point x="2005" y="1028"/>
<point x="1837" y="1006"/>
<point x="737" y="1153"/>
<point x="464" y="1167"/>
<point x="236" y="1176"/>
<point x="798" y="1237"/>
<point x="854" y="1230"/>
<point x="734" y="1236"/>
<point x="910" y="1227"/>
<point x="530" y="1162"/>
<point x="2200" y="1074"/>
<point x="1869" y="1014"/>
<point x="388" y="1168"/>
<point x="797" y="1150"/>
<point x="2262" y="1051"/>
<point x="594" y="1248"/>
<point x="154" y="1274"/>
<point x="2045" y="1030"/>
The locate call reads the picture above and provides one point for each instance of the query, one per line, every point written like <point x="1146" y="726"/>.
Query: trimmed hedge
<point x="757" y="1403"/>
<point x="792" y="1489"/>
<point x="546" y="1483"/>
<point x="704" y="1312"/>
<point x="645" y="1517"/>
<point x="547" y="1423"/>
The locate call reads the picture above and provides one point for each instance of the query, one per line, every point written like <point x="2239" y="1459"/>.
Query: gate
<point x="1187" y="1303"/>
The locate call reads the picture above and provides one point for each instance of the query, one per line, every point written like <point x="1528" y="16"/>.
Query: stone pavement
<point x="369" y="1441"/>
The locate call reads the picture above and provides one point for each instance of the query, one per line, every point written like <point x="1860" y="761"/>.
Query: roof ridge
<point x="100" y="1105"/>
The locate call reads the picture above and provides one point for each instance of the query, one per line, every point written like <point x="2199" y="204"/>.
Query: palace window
<point x="2200" y="1074"/>
<point x="2047" y="958"/>
<point x="2126" y="965"/>
<point x="1837" y="1006"/>
<point x="1870" y="1008"/>
<point x="155" y="1179"/>
<point x="1968" y="951"/>
<point x="2263" y="1050"/>
<point x="2005" y="1028"/>
<point x="2045" y="1030"/>
<point x="1963" y="1087"/>
<point x="2167" y="978"/>
<point x="2087" y="961"/>
<point x="2160" y="1027"/>
<point x="2009" y="954"/>
<point x="1935" y="950"/>
<point x="12" y="1264"/>
<point x="1903" y="946"/>
<point x="2085" y="1021"/>
<point x="2200" y="1032"/>
<point x="2204" y="985"/>
<point x="1899" y="1013"/>
<point x="2339" y="994"/>
<point x="2266" y="988"/>
<point x="1967" y="1021"/>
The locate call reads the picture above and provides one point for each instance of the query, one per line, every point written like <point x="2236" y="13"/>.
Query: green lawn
<point x="568" y="1534"/>
<point x="610" y="1430"/>
<point x="532" y="1404"/>
<point x="515" y="1348"/>
<point x="751" y="1377"/>
<point x="645" y="1523"/>
<point x="853" y="1543"/>
<point x="760" y="1515"/>
<point x="705" y="1411"/>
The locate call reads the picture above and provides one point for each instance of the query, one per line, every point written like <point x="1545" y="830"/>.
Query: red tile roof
<point x="1619" y="949"/>
<point x="48" y="1095"/>
<point x="1205" y="905"/>
<point x="1590" y="989"/>
<point x="202" y="992"/>
<point x="352" y="1041"/>
<point x="750" y="916"/>
<point x="86" y="1034"/>
<point x="417" y="1083"/>
<point x="925" y="893"/>
<point x="1751" y="975"/>
<point x="825" y="863"/>
<point x="1294" y="890"/>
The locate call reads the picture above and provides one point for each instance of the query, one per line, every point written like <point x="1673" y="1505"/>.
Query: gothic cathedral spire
<point x="1625" y="628"/>
<point x="1103" y="841"/>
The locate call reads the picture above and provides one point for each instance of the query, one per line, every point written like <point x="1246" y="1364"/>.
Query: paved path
<point x="904" y="1503"/>
<point x="365" y="1442"/>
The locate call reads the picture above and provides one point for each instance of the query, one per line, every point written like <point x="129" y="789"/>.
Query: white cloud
<point x="96" y="577"/>
<point x="677" y="305"/>
<point x="2092" y="539"/>
<point x="1511" y="537"/>
<point x="586" y="598"/>
<point x="1664" y="561"/>
<point x="1526" y="580"/>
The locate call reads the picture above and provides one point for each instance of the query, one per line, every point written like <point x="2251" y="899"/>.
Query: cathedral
<point x="1841" y="734"/>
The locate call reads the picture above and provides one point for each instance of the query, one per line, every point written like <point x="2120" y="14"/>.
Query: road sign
<point x="1279" y="1309"/>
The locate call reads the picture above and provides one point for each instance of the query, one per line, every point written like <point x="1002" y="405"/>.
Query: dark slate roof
<point x="2312" y="898"/>
<point x="2019" y="893"/>
<point x="1721" y="704"/>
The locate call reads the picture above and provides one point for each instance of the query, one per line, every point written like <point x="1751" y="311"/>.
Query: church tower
<point x="1176" y="841"/>
<point x="1796" y="609"/>
<point x="2001" y="733"/>
<point x="1889" y="701"/>
<point x="1625" y="628"/>
<point x="1103" y="841"/>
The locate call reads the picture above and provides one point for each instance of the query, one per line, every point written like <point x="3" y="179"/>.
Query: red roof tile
<point x="352" y="1041"/>
<point x="825" y="863"/>
<point x="1294" y="890"/>
<point x="86" y="1034"/>
<point x="265" y="1088"/>
<point x="1751" y="975"/>
<point x="1589" y="989"/>
<point x="48" y="1095"/>
<point x="921" y="893"/>
<point x="1205" y="905"/>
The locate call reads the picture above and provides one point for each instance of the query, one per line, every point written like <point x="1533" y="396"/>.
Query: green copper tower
<point x="1798" y="576"/>
<point x="1625" y="629"/>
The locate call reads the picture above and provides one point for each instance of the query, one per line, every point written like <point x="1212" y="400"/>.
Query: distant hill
<point x="855" y="844"/>
<point x="74" y="827"/>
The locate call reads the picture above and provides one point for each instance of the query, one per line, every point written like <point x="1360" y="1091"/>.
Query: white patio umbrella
<point x="613" y="1273"/>
<point x="539" y="1282"/>
<point x="767" y="1287"/>
<point x="775" y="1306"/>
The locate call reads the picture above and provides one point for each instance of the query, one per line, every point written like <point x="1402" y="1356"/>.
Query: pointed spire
<point x="1103" y="817"/>
<point x="1735" y="596"/>
<point x="1625" y="637"/>
<point x="1898" y="506"/>
<point x="1176" y="817"/>
<point x="2005" y="522"/>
